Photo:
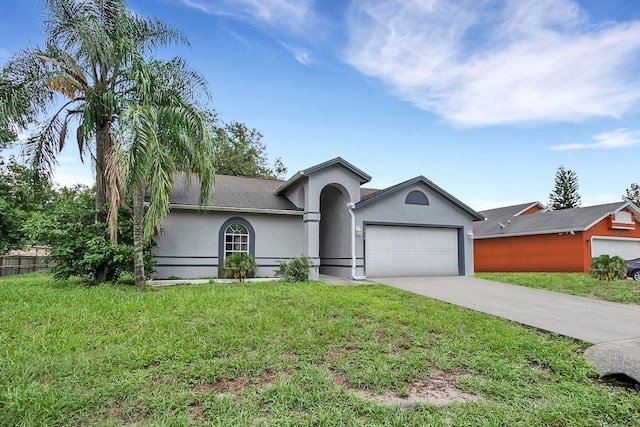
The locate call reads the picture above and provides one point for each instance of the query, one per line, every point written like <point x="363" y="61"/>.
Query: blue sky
<point x="486" y="98"/>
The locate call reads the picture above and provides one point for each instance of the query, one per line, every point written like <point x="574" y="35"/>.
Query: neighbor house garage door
<point x="625" y="248"/>
<point x="410" y="251"/>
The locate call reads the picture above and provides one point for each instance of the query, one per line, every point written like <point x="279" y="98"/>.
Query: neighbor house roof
<point x="373" y="196"/>
<point x="505" y="222"/>
<point x="233" y="192"/>
<point x="508" y="212"/>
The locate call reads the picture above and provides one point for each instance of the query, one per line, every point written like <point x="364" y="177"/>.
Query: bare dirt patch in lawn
<point x="223" y="386"/>
<point x="236" y="386"/>
<point x="441" y="388"/>
<point x="197" y="413"/>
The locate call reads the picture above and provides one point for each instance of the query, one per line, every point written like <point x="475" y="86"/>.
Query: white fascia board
<point x="527" y="233"/>
<point x="240" y="210"/>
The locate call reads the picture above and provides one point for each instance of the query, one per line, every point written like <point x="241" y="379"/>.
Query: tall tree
<point x="633" y="194"/>
<point x="240" y="152"/>
<point x="90" y="48"/>
<point x="565" y="193"/>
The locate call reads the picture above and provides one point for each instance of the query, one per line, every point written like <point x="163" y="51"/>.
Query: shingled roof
<point x="505" y="222"/>
<point x="233" y="192"/>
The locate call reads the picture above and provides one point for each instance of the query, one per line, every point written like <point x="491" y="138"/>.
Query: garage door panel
<point x="625" y="248"/>
<point x="411" y="251"/>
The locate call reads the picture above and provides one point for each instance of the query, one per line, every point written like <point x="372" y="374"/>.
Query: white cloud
<point x="293" y="15"/>
<point x="302" y="55"/>
<point x="608" y="140"/>
<point x="475" y="62"/>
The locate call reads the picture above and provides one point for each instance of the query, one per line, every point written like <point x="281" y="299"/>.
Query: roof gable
<point x="373" y="197"/>
<point x="295" y="179"/>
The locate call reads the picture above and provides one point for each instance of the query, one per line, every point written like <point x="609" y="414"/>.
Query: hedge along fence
<point x="21" y="264"/>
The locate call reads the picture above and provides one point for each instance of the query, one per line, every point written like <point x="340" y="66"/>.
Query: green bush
<point x="296" y="270"/>
<point x="69" y="228"/>
<point x="605" y="267"/>
<point x="238" y="266"/>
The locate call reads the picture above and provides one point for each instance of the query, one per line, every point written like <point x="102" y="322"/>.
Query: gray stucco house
<point x="413" y="228"/>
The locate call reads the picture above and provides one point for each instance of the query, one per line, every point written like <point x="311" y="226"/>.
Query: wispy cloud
<point x="293" y="15"/>
<point x="302" y="55"/>
<point x="478" y="63"/>
<point x="604" y="141"/>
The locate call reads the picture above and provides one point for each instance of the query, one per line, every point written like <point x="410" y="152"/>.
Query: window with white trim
<point x="236" y="239"/>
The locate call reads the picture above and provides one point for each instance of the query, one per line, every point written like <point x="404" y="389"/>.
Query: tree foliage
<point x="92" y="61"/>
<point x="22" y="195"/>
<point x="15" y="111"/>
<point x="68" y="227"/>
<point x="565" y="193"/>
<point x="633" y="194"/>
<point x="240" y="152"/>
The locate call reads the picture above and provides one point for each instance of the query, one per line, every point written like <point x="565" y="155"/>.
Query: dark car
<point x="633" y="268"/>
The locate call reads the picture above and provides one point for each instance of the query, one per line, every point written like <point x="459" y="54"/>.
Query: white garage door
<point x="625" y="248"/>
<point x="411" y="251"/>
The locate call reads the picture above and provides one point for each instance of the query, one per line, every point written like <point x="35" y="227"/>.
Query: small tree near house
<point x="238" y="266"/>
<point x="607" y="267"/>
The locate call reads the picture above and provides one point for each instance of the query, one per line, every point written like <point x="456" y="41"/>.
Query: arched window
<point x="236" y="235"/>
<point x="236" y="239"/>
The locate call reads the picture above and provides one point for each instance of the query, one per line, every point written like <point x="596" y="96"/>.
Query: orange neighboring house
<point x="531" y="238"/>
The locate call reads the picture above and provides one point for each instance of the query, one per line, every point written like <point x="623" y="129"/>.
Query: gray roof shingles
<point x="576" y="219"/>
<point x="234" y="192"/>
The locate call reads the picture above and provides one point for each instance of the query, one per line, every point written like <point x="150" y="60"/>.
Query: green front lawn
<point x="625" y="291"/>
<point x="284" y="355"/>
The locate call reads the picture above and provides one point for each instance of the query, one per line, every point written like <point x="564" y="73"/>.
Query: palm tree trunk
<point x="138" y="260"/>
<point x="103" y="142"/>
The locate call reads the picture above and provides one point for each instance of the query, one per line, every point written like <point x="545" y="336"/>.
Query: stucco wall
<point x="439" y="212"/>
<point x="188" y="247"/>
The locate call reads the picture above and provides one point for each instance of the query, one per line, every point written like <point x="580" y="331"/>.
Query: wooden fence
<point x="21" y="264"/>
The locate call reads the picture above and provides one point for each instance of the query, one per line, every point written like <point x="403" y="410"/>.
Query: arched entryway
<point x="335" y="231"/>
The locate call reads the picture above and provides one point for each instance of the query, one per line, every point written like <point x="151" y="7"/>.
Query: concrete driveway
<point x="615" y="328"/>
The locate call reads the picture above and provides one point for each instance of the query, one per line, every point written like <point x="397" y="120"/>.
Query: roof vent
<point x="416" y="197"/>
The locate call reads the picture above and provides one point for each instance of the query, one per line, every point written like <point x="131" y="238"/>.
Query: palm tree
<point x="164" y="134"/>
<point x="91" y="46"/>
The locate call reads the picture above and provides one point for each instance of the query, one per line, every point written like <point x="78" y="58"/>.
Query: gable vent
<point x="416" y="198"/>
